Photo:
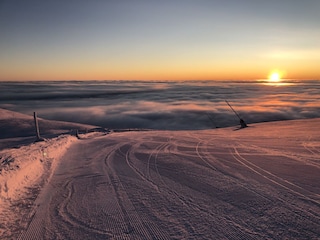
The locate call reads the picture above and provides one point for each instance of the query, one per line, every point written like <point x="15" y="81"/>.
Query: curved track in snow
<point x="180" y="185"/>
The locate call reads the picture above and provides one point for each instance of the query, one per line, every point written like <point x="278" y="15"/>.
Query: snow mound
<point x="27" y="165"/>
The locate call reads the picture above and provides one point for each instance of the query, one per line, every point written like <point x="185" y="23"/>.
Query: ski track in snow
<point x="179" y="185"/>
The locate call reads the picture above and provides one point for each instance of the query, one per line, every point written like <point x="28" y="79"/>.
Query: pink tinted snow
<point x="281" y="155"/>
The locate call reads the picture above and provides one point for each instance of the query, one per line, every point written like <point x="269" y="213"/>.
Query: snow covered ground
<point x="261" y="182"/>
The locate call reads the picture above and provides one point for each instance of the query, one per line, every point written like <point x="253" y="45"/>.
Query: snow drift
<point x="23" y="167"/>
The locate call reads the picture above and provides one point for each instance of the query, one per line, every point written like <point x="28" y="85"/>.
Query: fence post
<point x="36" y="126"/>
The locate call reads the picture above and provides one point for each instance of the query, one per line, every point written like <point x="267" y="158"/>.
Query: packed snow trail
<point x="182" y="185"/>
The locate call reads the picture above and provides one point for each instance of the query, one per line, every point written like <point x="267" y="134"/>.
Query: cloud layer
<point x="163" y="105"/>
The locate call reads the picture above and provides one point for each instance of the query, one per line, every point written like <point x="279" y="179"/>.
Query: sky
<point x="158" y="40"/>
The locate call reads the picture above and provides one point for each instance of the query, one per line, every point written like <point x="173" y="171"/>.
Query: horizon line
<point x="152" y="80"/>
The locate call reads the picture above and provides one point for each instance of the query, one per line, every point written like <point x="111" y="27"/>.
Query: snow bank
<point x="13" y="124"/>
<point x="29" y="165"/>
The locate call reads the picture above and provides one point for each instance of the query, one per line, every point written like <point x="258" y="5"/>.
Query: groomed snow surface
<point x="261" y="182"/>
<point x="23" y="172"/>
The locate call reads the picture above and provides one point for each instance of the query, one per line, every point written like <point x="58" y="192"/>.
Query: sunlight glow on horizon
<point x="167" y="40"/>
<point x="274" y="77"/>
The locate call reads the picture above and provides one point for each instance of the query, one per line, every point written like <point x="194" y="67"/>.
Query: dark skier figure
<point x="243" y="123"/>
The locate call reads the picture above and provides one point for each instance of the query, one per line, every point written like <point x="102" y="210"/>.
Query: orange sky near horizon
<point x="181" y="40"/>
<point x="188" y="72"/>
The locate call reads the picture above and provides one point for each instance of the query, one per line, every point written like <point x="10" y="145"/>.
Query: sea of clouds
<point x="164" y="105"/>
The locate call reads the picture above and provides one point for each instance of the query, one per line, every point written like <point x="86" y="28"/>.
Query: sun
<point x="277" y="78"/>
<point x="274" y="76"/>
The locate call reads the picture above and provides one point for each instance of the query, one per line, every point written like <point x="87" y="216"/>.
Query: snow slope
<point x="23" y="172"/>
<point x="14" y="124"/>
<point x="25" y="164"/>
<point x="261" y="182"/>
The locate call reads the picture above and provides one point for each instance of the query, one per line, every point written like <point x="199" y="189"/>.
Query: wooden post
<point x="36" y="126"/>
<point x="77" y="134"/>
